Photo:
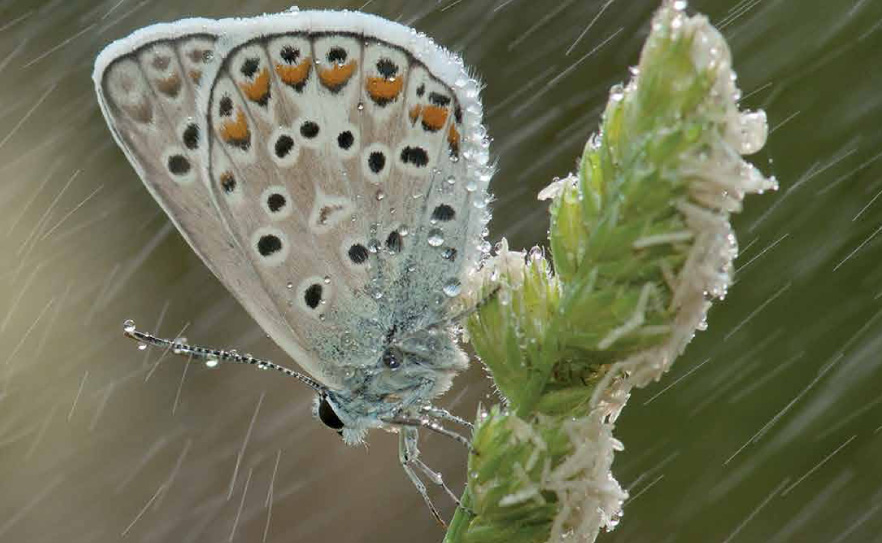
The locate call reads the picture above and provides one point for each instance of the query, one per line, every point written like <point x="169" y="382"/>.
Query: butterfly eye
<point x="390" y="360"/>
<point x="328" y="416"/>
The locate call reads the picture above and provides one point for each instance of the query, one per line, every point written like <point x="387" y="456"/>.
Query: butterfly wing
<point x="347" y="157"/>
<point x="147" y="86"/>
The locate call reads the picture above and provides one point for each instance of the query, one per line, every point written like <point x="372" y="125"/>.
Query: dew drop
<point x="211" y="363"/>
<point x="129" y="326"/>
<point x="436" y="237"/>
<point x="361" y="106"/>
<point x="380" y="195"/>
<point x="471" y="186"/>
<point x="617" y="93"/>
<point x="403" y="230"/>
<point x="327" y="279"/>
<point x="451" y="180"/>
<point x="452" y="288"/>
<point x="142" y="346"/>
<point x="504" y="297"/>
<point x="290" y="285"/>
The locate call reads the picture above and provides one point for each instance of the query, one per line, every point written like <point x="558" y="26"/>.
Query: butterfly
<point x="331" y="169"/>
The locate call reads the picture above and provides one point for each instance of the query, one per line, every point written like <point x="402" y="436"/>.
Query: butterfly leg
<point x="443" y="414"/>
<point x="408" y="454"/>
<point x="429" y="424"/>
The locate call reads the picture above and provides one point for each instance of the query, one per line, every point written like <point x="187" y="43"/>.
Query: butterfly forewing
<point x="147" y="89"/>
<point x="338" y="160"/>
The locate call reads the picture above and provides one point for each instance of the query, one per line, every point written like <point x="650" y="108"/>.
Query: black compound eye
<point x="328" y="416"/>
<point x="390" y="360"/>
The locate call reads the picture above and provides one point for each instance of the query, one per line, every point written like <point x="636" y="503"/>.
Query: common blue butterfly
<point x="331" y="169"/>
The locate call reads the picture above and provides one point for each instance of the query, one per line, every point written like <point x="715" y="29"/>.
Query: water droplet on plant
<point x="211" y="363"/>
<point x="129" y="326"/>
<point x="504" y="297"/>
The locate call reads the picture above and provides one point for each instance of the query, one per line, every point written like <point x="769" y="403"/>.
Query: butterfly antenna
<point x="212" y="357"/>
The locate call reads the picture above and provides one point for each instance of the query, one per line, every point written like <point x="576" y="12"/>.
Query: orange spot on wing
<point x="236" y="131"/>
<point x="257" y="90"/>
<point x="195" y="75"/>
<point x="170" y="86"/>
<point x="434" y="118"/>
<point x="415" y="113"/>
<point x="295" y="75"/>
<point x="383" y="90"/>
<point x="453" y="140"/>
<point x="335" y="77"/>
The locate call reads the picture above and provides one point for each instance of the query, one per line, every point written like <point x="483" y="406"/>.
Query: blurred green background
<point x="768" y="429"/>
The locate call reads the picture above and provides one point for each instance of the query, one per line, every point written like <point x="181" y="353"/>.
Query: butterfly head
<point x="402" y="377"/>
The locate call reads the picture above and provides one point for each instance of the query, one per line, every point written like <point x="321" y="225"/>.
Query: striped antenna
<point x="212" y="357"/>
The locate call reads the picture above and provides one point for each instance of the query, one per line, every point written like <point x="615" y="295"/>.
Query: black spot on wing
<point x="313" y="295"/>
<point x="250" y="67"/>
<point x="443" y="213"/>
<point x="191" y="136"/>
<point x="358" y="253"/>
<point x="268" y="245"/>
<point x="345" y="139"/>
<point x="415" y="155"/>
<point x="376" y="161"/>
<point x="178" y="165"/>
<point x="275" y="202"/>
<point x="284" y="145"/>
<point x="394" y="242"/>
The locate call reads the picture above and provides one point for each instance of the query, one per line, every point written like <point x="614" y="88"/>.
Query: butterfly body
<point x="330" y="168"/>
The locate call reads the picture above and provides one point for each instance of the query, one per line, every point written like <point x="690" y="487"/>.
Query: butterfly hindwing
<point x="343" y="158"/>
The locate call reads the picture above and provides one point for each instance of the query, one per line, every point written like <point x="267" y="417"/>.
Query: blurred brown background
<point x="768" y="429"/>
